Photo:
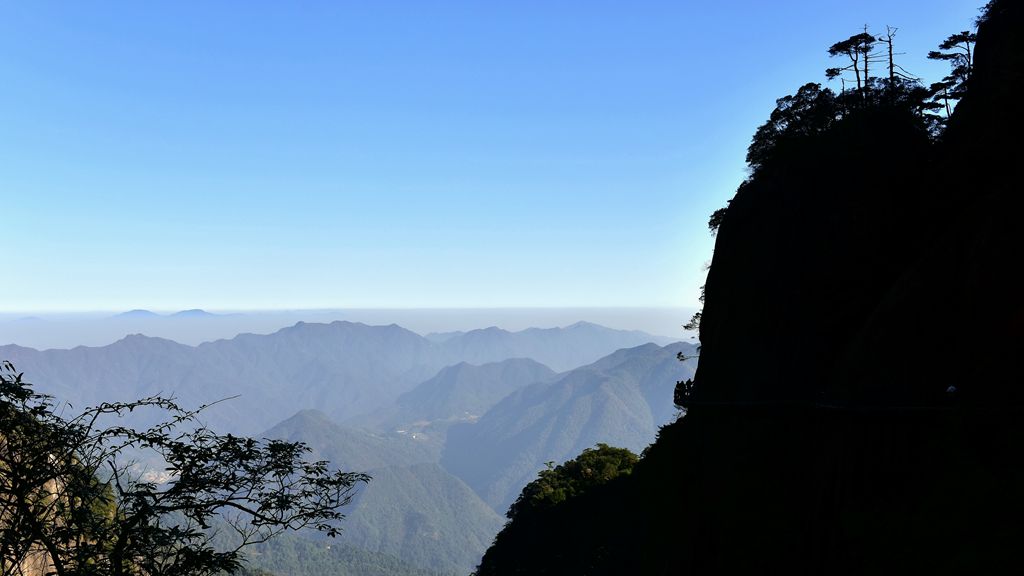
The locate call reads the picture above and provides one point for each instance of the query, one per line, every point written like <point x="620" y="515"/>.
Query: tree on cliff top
<point x="592" y="467"/>
<point x="72" y="503"/>
<point x="858" y="49"/>
<point x="958" y="50"/>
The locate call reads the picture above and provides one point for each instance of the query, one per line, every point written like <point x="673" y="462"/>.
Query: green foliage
<point x="595" y="466"/>
<point x="72" y="503"/>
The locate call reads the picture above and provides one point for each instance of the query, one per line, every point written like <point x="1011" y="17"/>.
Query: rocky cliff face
<point x="886" y="434"/>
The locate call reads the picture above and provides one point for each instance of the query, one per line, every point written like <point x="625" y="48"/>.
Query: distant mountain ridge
<point x="343" y="368"/>
<point x="193" y="313"/>
<point x="137" y="313"/>
<point x="140" y="313"/>
<point x="552" y="347"/>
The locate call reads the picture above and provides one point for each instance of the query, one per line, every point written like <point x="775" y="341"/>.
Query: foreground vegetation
<point x="73" y="500"/>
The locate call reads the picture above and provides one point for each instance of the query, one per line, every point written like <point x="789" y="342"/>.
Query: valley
<point x="450" y="426"/>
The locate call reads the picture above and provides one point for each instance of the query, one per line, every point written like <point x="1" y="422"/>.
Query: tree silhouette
<point x="896" y="72"/>
<point x="958" y="50"/>
<point x="858" y="49"/>
<point x="72" y="502"/>
<point x="810" y="111"/>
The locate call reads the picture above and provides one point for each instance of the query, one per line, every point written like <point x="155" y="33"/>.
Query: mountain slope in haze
<point x="412" y="509"/>
<point x="350" y="448"/>
<point x="424" y="516"/>
<point x="458" y="393"/>
<point x="560" y="349"/>
<point x="343" y="368"/>
<point x="295" y="555"/>
<point x="619" y="400"/>
<point x="465" y="389"/>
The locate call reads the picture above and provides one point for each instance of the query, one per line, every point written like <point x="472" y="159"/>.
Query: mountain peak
<point x="137" y="313"/>
<point x="585" y="324"/>
<point x="192" y="313"/>
<point x="309" y="416"/>
<point x="139" y="339"/>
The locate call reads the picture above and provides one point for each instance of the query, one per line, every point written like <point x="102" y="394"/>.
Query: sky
<point x="288" y="155"/>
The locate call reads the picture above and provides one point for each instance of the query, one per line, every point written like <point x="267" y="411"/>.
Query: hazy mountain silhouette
<point x="193" y="313"/>
<point x="558" y="348"/>
<point x="344" y="368"/>
<point x="458" y="393"/>
<point x="136" y="314"/>
<point x="350" y="448"/>
<point x="465" y="390"/>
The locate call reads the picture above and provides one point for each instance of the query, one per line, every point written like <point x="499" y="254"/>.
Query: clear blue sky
<point x="240" y="155"/>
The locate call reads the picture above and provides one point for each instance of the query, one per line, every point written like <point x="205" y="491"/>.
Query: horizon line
<point x="337" y="309"/>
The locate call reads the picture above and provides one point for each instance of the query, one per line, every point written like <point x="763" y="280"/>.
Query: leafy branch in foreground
<point x="73" y="502"/>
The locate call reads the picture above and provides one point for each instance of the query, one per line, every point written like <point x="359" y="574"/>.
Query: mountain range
<point x="435" y="499"/>
<point x="450" y="427"/>
<point x="347" y="369"/>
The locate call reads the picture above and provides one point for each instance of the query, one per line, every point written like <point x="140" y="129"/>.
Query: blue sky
<point x="245" y="155"/>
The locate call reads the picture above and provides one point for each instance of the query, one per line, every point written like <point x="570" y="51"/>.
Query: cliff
<point x="883" y="432"/>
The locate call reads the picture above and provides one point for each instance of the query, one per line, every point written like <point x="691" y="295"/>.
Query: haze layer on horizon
<point x="98" y="328"/>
